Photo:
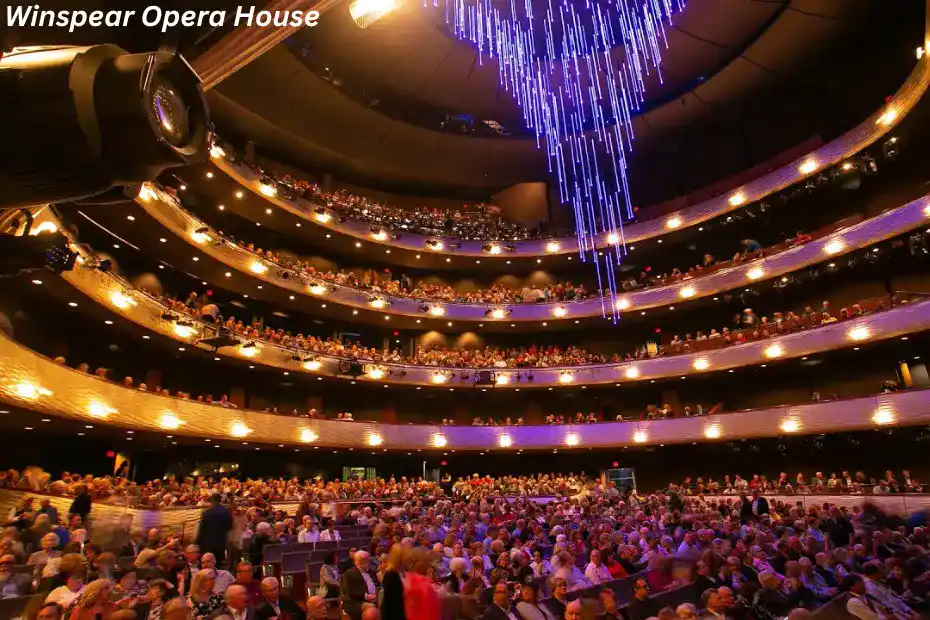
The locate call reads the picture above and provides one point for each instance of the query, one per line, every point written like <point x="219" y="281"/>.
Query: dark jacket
<point x="638" y="609"/>
<point x="215" y="524"/>
<point x="289" y="610"/>
<point x="392" y="597"/>
<point x="81" y="506"/>
<point x="354" y="589"/>
<point x="493" y="612"/>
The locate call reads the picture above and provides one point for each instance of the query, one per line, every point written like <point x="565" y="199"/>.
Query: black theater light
<point x="85" y="120"/>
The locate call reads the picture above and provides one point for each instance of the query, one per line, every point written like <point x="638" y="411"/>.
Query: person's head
<point x="595" y="557"/>
<point x="502" y="594"/>
<point x="94" y="595"/>
<point x="853" y="583"/>
<point x="458" y="566"/>
<point x="208" y="560"/>
<point x="50" y="611"/>
<point x="573" y="611"/>
<point x="7" y="563"/>
<point x="686" y="611"/>
<point x="176" y="609"/>
<point x="236" y="597"/>
<point x="50" y="541"/>
<point x="192" y="554"/>
<point x="202" y="583"/>
<point x="768" y="580"/>
<point x="316" y="608"/>
<point x="608" y="600"/>
<point x="243" y="573"/>
<point x="330" y="558"/>
<point x="157" y="590"/>
<point x="270" y="589"/>
<point x="530" y="593"/>
<point x="641" y="589"/>
<point x="128" y="578"/>
<point x="167" y="560"/>
<point x="710" y="599"/>
<point x="362" y="560"/>
<point x="91" y="551"/>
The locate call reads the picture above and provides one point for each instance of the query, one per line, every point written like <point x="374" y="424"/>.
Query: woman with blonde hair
<point x="93" y="601"/>
<point x="201" y="599"/>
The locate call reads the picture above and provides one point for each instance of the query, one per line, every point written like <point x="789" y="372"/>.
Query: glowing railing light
<point x="640" y="436"/>
<point x="773" y="351"/>
<point x="317" y="289"/>
<point x="44" y="227"/>
<point x="883" y="416"/>
<point x="183" y="331"/>
<point x="713" y="431"/>
<point x="572" y="439"/>
<point x="553" y="246"/>
<point x="146" y="193"/>
<point x="379" y="235"/>
<point x="248" y="351"/>
<point x="927" y="211"/>
<point x="312" y="365"/>
<point x="673" y="222"/>
<point x="30" y="391"/>
<point x="566" y="377"/>
<point x="308" y="436"/>
<point x="217" y="152"/>
<point x="687" y="292"/>
<point x="437" y="310"/>
<point x="376" y="373"/>
<point x="834" y="247"/>
<point x="494" y="249"/>
<point x="366" y="12"/>
<point x="613" y="238"/>
<point x="847" y="167"/>
<point x="377" y="303"/>
<point x="502" y="379"/>
<point x="737" y="199"/>
<point x="887" y="118"/>
<point x="170" y="421"/>
<point x="436" y="245"/>
<point x="97" y="409"/>
<point x="239" y="430"/>
<point x="623" y="304"/>
<point x="701" y="364"/>
<point x="791" y="425"/>
<point x="322" y="218"/>
<point x="374" y="439"/>
<point x="200" y="237"/>
<point x="504" y="441"/>
<point x="631" y="373"/>
<point x="439" y="378"/>
<point x="440" y="441"/>
<point x="755" y="273"/>
<point x="267" y="190"/>
<point x="122" y="301"/>
<point x="559" y="312"/>
<point x="808" y="166"/>
<point x="257" y="267"/>
<point x="859" y="333"/>
<point x="498" y="313"/>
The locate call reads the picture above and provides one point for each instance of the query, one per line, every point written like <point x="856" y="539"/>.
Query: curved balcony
<point x="35" y="383"/>
<point x="894" y="222"/>
<point x="863" y="135"/>
<point x="149" y="313"/>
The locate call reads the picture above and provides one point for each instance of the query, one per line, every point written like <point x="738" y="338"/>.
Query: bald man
<point x="274" y="604"/>
<point x="237" y="605"/>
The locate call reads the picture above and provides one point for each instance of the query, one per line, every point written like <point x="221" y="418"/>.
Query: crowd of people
<point x="546" y="547"/>
<point x="845" y="482"/>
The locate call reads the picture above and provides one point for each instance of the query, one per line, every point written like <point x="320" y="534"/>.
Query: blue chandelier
<point x="576" y="98"/>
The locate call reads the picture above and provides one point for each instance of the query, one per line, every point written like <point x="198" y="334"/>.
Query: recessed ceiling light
<point x="74" y="305"/>
<point x="108" y="322"/>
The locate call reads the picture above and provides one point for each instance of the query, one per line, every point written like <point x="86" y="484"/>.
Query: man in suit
<point x="500" y="609"/>
<point x="237" y="605"/>
<point x="358" y="588"/>
<point x="13" y="585"/>
<point x="641" y="606"/>
<point x="215" y="524"/>
<point x="273" y="605"/>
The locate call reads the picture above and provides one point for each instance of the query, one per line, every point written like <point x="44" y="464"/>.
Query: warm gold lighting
<point x="559" y="312"/>
<point x="553" y="246"/>
<point x="773" y="351"/>
<point x="701" y="364"/>
<point x="494" y="249"/>
<point x="437" y="310"/>
<point x="239" y="430"/>
<point x="755" y="273"/>
<point x="436" y="245"/>
<point x="808" y="166"/>
<point x="379" y="235"/>
<point x="122" y="301"/>
<point x="200" y="237"/>
<point x="366" y="12"/>
<point x="312" y="365"/>
<point x="217" y="152"/>
<point x="713" y="431"/>
<point x="248" y="351"/>
<point x="376" y="373"/>
<point x="887" y="118"/>
<point x="572" y="439"/>
<point x="257" y="267"/>
<point x="791" y="425"/>
<point x="377" y="303"/>
<point x="504" y="441"/>
<point x="317" y="289"/>
<point x="308" y="436"/>
<point x="883" y="416"/>
<point x="240" y="195"/>
<point x="29" y="391"/>
<point x="322" y="217"/>
<point x="374" y="439"/>
<point x="44" y="227"/>
<point x="737" y="199"/>
<point x="631" y="373"/>
<point x="859" y="333"/>
<point x="170" y="421"/>
<point x="267" y="190"/>
<point x="927" y="211"/>
<point x="98" y="409"/>
<point x="640" y="436"/>
<point x="502" y="379"/>
<point x="613" y="238"/>
<point x="834" y="247"/>
<point x="566" y="377"/>
<point x="686" y="292"/>
<point x="439" y="378"/>
<point x="440" y="441"/>
<point x="673" y="222"/>
<point x="146" y="193"/>
<point x="623" y="304"/>
<point x="183" y="331"/>
<point x="847" y="167"/>
<point x="498" y="313"/>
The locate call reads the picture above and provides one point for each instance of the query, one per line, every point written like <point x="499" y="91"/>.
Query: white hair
<point x="458" y="564"/>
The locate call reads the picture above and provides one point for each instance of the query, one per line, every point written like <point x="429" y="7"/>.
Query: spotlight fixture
<point x="572" y="439"/>
<point x="859" y="333"/>
<point x="435" y="244"/>
<point x="553" y="246"/>
<point x="497" y="313"/>
<point x="613" y="238"/>
<point x="737" y="199"/>
<point x="366" y="12"/>
<point x="378" y="234"/>
<point x="378" y="303"/>
<point x="640" y="436"/>
<point x="439" y="377"/>
<point x="773" y="351"/>
<point x="808" y="166"/>
<point x="436" y="310"/>
<point x="566" y="377"/>
<point x="887" y="117"/>
<point x="504" y="441"/>
<point x="791" y="425"/>
<point x="308" y="436"/>
<point x="501" y="379"/>
<point x="317" y="289"/>
<point x="834" y="247"/>
<point x="322" y="216"/>
<point x="268" y="189"/>
<point x="632" y="372"/>
<point x="623" y="304"/>
<point x="376" y="373"/>
<point x="673" y="222"/>
<point x="374" y="439"/>
<point x="312" y="364"/>
<point x="440" y="441"/>
<point x="755" y="273"/>
<point x="559" y="312"/>
<point x="118" y="120"/>
<point x="883" y="416"/>
<point x="686" y="292"/>
<point x="713" y="431"/>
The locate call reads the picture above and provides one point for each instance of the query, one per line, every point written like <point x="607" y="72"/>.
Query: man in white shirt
<point x="688" y="546"/>
<point x="596" y="571"/>
<point x="881" y="594"/>
<point x="330" y="533"/>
